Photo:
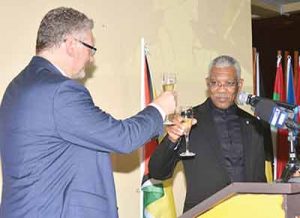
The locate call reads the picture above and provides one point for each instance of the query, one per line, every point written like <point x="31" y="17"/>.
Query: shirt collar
<point x="231" y="110"/>
<point x="60" y="70"/>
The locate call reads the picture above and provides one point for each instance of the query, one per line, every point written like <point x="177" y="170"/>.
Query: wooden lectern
<point x="251" y="200"/>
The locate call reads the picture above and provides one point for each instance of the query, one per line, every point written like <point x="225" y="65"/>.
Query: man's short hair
<point x="58" y="23"/>
<point x="225" y="61"/>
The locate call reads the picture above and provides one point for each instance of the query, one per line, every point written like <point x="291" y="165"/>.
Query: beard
<point x="80" y="75"/>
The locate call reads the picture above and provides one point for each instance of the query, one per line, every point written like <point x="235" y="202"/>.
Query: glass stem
<point x="187" y="142"/>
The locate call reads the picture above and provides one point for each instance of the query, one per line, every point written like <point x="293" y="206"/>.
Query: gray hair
<point x="225" y="61"/>
<point x="58" y="23"/>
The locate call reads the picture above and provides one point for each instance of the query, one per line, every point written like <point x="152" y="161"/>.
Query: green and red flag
<point x="279" y="85"/>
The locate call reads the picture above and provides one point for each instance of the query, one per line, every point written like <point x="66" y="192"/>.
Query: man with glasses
<point x="55" y="143"/>
<point x="229" y="143"/>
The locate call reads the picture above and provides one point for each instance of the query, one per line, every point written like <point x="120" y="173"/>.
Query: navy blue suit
<point x="56" y="145"/>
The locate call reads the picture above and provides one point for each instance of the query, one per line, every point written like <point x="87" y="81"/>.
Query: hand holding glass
<point x="187" y="115"/>
<point x="168" y="84"/>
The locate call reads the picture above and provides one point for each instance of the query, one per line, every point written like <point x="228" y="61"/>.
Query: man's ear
<point x="207" y="82"/>
<point x="70" y="44"/>
<point x="240" y="84"/>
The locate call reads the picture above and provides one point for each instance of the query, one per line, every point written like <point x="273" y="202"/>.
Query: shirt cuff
<point x="161" y="111"/>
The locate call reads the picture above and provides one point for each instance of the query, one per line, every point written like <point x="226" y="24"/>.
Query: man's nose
<point x="221" y="86"/>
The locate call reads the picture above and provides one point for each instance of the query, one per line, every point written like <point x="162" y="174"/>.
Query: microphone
<point x="279" y="117"/>
<point x="246" y="98"/>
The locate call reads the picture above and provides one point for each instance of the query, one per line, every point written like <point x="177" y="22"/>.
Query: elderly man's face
<point x="223" y="86"/>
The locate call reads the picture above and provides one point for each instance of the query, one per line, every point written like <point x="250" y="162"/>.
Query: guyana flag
<point x="158" y="201"/>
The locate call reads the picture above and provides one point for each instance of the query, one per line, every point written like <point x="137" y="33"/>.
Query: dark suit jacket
<point x="205" y="173"/>
<point x="56" y="144"/>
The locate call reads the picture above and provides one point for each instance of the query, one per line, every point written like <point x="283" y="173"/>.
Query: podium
<point x="255" y="200"/>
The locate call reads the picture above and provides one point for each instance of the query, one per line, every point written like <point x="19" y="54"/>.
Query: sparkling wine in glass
<point x="168" y="84"/>
<point x="168" y="87"/>
<point x="186" y="112"/>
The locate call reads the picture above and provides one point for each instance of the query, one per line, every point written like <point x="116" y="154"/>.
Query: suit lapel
<point x="209" y="130"/>
<point x="246" y="131"/>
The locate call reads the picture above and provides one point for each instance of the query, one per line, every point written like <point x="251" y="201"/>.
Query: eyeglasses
<point x="93" y="49"/>
<point x="227" y="85"/>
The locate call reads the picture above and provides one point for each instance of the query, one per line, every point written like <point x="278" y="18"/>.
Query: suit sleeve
<point x="80" y="122"/>
<point x="163" y="160"/>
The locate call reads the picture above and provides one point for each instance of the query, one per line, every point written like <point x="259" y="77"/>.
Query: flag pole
<point x="142" y="163"/>
<point x="288" y="66"/>
<point x="257" y="75"/>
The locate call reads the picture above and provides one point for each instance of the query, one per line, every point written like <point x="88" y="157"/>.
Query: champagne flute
<point x="168" y="84"/>
<point x="186" y="112"/>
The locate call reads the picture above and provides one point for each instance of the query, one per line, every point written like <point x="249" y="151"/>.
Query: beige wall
<point x="182" y="36"/>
